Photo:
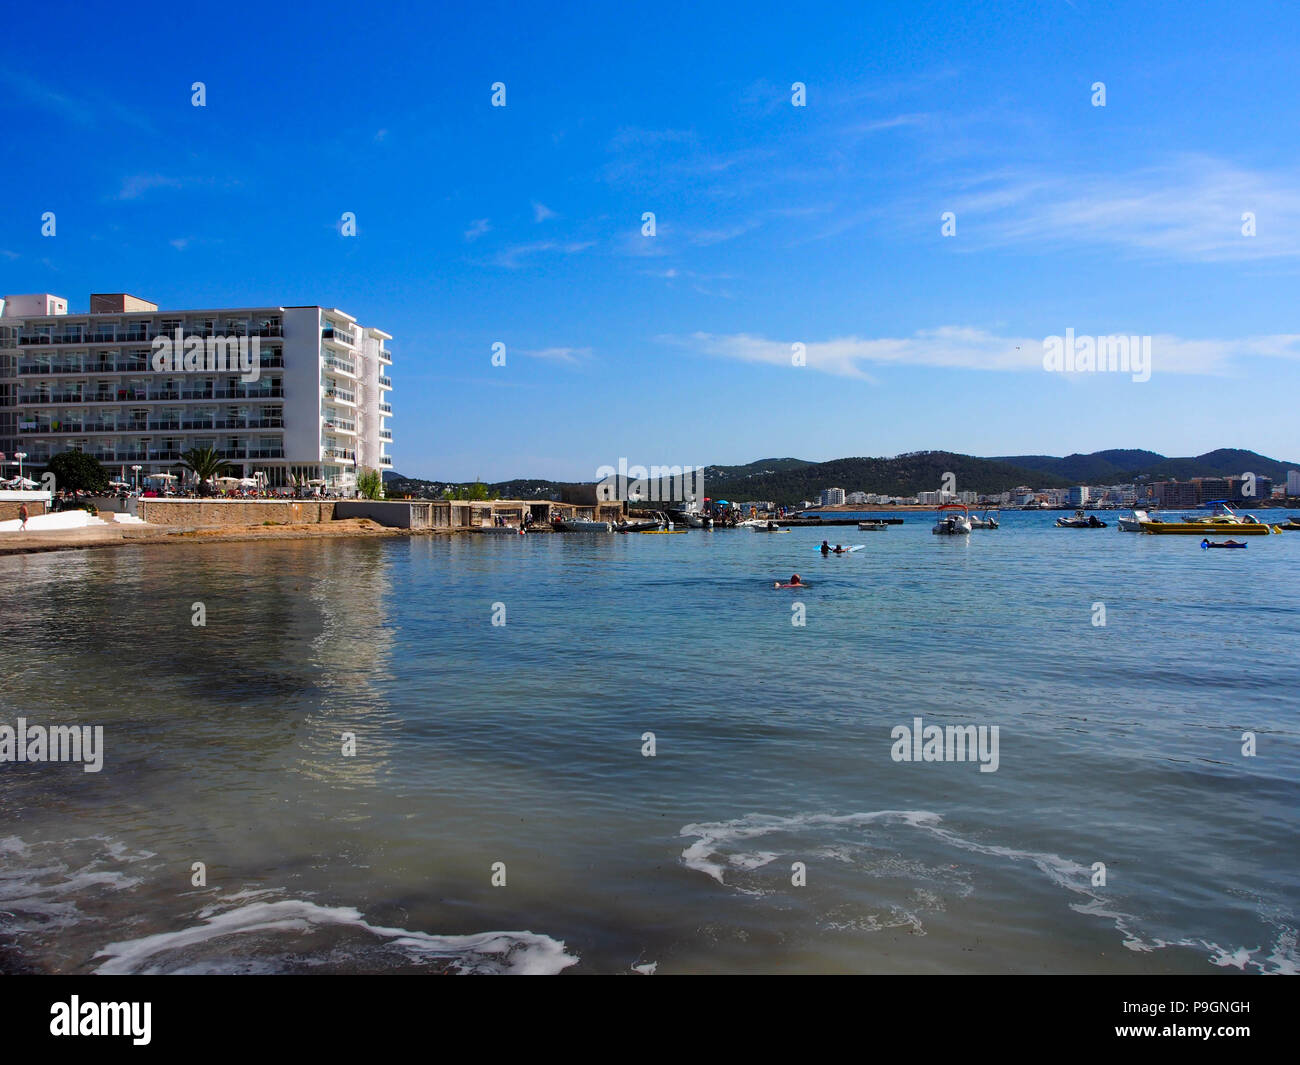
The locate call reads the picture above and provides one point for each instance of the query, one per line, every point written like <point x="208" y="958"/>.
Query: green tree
<point x="75" y="471"/>
<point x="370" y="484"/>
<point x="204" y="463"/>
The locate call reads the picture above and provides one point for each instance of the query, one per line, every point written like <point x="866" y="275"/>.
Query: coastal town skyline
<point x="841" y="239"/>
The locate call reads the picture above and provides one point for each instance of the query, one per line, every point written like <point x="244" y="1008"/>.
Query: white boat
<point x="989" y="521"/>
<point x="582" y="525"/>
<point x="768" y="527"/>
<point x="954" y="520"/>
<point x="1132" y="522"/>
<point x="873" y="526"/>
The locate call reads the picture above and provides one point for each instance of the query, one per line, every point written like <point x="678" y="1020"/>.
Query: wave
<point x="518" y="953"/>
<point x="711" y="854"/>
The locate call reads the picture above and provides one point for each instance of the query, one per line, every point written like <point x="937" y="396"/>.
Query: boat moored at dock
<point x="954" y="520"/>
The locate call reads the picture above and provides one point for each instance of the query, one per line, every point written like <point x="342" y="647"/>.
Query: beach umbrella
<point x="247" y="482"/>
<point x="160" y="477"/>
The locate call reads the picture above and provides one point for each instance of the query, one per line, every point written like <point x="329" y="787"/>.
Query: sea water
<point x="654" y="760"/>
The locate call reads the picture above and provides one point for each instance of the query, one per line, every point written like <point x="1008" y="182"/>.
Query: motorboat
<point x="1080" y="521"/>
<point x="582" y="525"/>
<point x="768" y="527"/>
<point x="657" y="522"/>
<point x="873" y="526"/>
<point x="689" y="514"/>
<point x="954" y="520"/>
<point x="1225" y="519"/>
<point x="1222" y="543"/>
<point x="1132" y="521"/>
<point x="988" y="521"/>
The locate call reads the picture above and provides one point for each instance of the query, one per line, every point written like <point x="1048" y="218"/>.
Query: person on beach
<point x="22" y="516"/>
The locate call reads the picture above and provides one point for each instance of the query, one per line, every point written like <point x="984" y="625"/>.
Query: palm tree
<point x="204" y="463"/>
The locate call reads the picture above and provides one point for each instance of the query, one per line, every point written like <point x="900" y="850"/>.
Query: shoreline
<point x="89" y="538"/>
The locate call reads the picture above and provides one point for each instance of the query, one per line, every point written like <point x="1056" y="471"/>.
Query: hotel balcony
<point x="340" y="396"/>
<point x="385" y="408"/>
<point x="385" y="460"/>
<point x="385" y="382"/>
<point x="335" y="425"/>
<point x="340" y="454"/>
<point x="338" y="336"/>
<point x="386" y="356"/>
<point x="384" y="434"/>
<point x="344" y="366"/>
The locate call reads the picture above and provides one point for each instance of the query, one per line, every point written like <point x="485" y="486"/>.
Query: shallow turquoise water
<point x="522" y="744"/>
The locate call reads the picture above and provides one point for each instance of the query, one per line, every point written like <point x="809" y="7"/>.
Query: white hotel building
<point x="318" y="410"/>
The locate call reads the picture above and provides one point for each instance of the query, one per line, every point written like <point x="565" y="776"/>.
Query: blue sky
<point x="775" y="224"/>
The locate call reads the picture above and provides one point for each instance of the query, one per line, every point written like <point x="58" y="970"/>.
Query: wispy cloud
<point x="515" y="256"/>
<point x="569" y="355"/>
<point x="1191" y="208"/>
<point x="477" y="228"/>
<point x="136" y="185"/>
<point x="91" y="110"/>
<point x="966" y="348"/>
<point x="180" y="243"/>
<point x="541" y="212"/>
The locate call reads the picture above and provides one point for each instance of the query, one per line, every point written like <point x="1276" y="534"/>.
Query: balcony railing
<point x="385" y="408"/>
<point x="340" y="453"/>
<point x="345" y="365"/>
<point x="345" y="397"/>
<point x="384" y="460"/>
<point x="339" y="336"/>
<point x="384" y="434"/>
<point x="385" y="382"/>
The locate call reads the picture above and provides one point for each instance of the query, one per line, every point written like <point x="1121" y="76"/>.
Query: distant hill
<point x="903" y="475"/>
<point x="1123" y="466"/>
<point x="789" y="480"/>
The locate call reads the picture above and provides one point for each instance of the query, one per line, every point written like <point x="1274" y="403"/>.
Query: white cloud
<point x="136" y="185"/>
<point x="569" y="355"/>
<point x="966" y="348"/>
<point x="513" y="256"/>
<point x="477" y="228"/>
<point x="1190" y="209"/>
<point x="541" y="212"/>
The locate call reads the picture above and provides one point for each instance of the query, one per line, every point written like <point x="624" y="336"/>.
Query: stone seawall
<point x="214" y="513"/>
<point x="9" y="508"/>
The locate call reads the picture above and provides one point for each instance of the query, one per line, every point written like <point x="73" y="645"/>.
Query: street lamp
<point x="136" y="470"/>
<point x="20" y="455"/>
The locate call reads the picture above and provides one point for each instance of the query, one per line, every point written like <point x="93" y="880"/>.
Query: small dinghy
<point x="1222" y="543"/>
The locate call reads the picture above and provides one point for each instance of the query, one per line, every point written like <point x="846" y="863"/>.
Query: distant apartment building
<point x="832" y="497"/>
<point x="1293" y="482"/>
<point x="1176" y="494"/>
<point x="318" y="409"/>
<point x="857" y="497"/>
<point x="1078" y="495"/>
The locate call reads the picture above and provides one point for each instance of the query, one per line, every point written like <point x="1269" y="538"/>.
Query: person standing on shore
<point x="22" y="516"/>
